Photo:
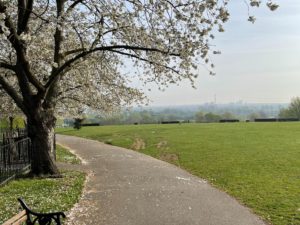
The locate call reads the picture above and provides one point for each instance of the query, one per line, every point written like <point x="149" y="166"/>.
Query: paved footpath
<point x="125" y="187"/>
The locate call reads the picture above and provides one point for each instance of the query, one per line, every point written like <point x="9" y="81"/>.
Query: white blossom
<point x="84" y="54"/>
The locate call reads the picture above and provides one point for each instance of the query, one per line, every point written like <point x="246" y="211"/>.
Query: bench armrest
<point x="41" y="218"/>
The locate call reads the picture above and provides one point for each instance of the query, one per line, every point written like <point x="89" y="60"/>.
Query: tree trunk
<point x="41" y="132"/>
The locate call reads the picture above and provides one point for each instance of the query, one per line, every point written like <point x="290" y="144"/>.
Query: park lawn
<point x="44" y="195"/>
<point x="257" y="163"/>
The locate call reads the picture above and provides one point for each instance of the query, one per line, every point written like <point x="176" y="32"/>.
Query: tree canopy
<point x="59" y="56"/>
<point x="71" y="52"/>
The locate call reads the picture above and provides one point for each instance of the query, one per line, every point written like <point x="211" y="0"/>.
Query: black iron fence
<point x="15" y="154"/>
<point x="7" y="135"/>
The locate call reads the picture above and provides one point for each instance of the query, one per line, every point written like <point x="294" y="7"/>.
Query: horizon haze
<point x="259" y="62"/>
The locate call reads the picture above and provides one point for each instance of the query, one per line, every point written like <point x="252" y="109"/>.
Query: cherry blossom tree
<point x="61" y="56"/>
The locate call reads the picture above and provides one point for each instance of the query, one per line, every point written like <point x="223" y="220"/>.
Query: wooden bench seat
<point x="17" y="219"/>
<point x="31" y="218"/>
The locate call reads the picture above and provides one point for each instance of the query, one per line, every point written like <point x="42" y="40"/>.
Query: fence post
<point x="54" y="147"/>
<point x="11" y="122"/>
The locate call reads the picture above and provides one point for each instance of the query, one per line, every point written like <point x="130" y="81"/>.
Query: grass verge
<point x="257" y="163"/>
<point x="42" y="195"/>
<point x="65" y="156"/>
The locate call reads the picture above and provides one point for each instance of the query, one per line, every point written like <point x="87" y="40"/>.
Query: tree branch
<point x="68" y="89"/>
<point x="12" y="93"/>
<point x="68" y="63"/>
<point x="20" y="50"/>
<point x="24" y="11"/>
<point x="26" y="16"/>
<point x="21" y="9"/>
<point x="79" y="37"/>
<point x="7" y="66"/>
<point x="58" y="34"/>
<point x="50" y="92"/>
<point x="145" y="60"/>
<point x="72" y="52"/>
<point x="71" y="7"/>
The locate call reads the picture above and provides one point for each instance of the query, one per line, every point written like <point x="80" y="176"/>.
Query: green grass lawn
<point x="257" y="163"/>
<point x="44" y="195"/>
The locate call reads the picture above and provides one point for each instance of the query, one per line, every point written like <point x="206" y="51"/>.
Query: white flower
<point x="54" y="64"/>
<point x="2" y="16"/>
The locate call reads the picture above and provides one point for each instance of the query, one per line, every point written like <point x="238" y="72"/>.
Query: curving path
<point x="125" y="187"/>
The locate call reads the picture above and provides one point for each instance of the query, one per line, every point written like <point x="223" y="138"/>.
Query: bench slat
<point x="20" y="221"/>
<point x="17" y="219"/>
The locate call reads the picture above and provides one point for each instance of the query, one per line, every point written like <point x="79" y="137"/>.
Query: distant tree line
<point x="292" y="111"/>
<point x="201" y="117"/>
<point x="203" y="114"/>
<point x="210" y="117"/>
<point x="156" y="117"/>
<point x="141" y="117"/>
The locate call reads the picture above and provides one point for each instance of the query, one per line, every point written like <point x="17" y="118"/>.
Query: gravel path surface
<point x="125" y="187"/>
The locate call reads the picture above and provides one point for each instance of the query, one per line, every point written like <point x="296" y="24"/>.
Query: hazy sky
<point x="259" y="62"/>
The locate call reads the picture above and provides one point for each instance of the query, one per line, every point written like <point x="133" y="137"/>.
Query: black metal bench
<point x="31" y="218"/>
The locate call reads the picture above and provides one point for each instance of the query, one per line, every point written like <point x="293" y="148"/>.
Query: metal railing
<point x="7" y="134"/>
<point x="15" y="158"/>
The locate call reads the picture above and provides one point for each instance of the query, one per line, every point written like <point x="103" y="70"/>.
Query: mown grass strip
<point x="65" y="156"/>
